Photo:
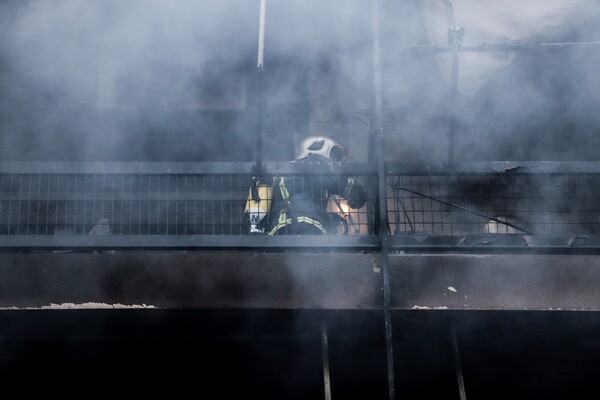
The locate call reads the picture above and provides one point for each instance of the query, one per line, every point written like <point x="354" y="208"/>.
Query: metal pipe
<point x="261" y="35"/>
<point x="259" y="87"/>
<point x="455" y="44"/>
<point x="457" y="365"/>
<point x="381" y="175"/>
<point x="498" y="47"/>
<point x="325" y="351"/>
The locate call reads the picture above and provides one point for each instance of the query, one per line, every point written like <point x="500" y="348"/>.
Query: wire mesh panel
<point x="121" y="204"/>
<point x="536" y="204"/>
<point x="68" y="204"/>
<point x="212" y="199"/>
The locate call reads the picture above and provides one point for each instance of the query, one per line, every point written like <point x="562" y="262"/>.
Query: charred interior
<point x="152" y="168"/>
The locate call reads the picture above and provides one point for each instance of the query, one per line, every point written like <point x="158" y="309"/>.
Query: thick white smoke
<point x="157" y="80"/>
<point x="498" y="22"/>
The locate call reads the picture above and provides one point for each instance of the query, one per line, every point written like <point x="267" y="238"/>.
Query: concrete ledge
<point x="296" y="280"/>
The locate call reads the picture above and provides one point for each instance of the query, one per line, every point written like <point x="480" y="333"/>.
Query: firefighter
<point x="297" y="204"/>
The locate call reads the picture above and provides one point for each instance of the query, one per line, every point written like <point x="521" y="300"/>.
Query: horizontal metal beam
<point x="357" y="168"/>
<point x="500" y="47"/>
<point x="182" y="168"/>
<point x="496" y="242"/>
<point x="298" y="280"/>
<point x="495" y="167"/>
<point x="165" y="242"/>
<point x="470" y="243"/>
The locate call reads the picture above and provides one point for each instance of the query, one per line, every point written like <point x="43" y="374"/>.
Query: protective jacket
<point x="299" y="205"/>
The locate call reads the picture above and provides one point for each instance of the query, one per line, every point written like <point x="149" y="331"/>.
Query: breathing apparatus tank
<point x="258" y="205"/>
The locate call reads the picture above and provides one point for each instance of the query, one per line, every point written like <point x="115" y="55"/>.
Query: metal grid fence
<point x="530" y="204"/>
<point x="141" y="204"/>
<point x="81" y="204"/>
<point x="210" y="201"/>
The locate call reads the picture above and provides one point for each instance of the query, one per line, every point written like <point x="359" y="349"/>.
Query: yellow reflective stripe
<point x="313" y="222"/>
<point x="284" y="192"/>
<point x="282" y="217"/>
<point x="284" y="222"/>
<point x="278" y="227"/>
<point x="281" y="222"/>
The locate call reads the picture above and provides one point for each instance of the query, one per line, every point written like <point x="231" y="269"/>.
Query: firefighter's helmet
<point x="321" y="146"/>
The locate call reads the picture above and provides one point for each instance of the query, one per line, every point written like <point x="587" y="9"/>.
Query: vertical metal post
<point x="325" y="351"/>
<point x="452" y="116"/>
<point x="383" y="222"/>
<point x="457" y="365"/>
<point x="454" y="41"/>
<point x="261" y="34"/>
<point x="259" y="86"/>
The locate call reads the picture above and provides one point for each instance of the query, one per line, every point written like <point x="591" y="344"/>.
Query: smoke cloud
<point x="175" y="81"/>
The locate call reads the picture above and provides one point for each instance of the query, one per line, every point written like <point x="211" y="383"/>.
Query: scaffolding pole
<point x="259" y="87"/>
<point x="381" y="175"/>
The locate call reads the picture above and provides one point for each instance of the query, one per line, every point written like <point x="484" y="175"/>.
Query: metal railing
<point x="496" y="204"/>
<point x="201" y="205"/>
